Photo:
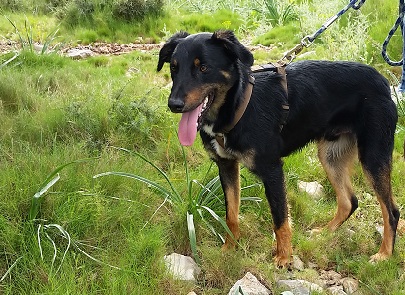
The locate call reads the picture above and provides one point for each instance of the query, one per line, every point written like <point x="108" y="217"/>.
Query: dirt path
<point x="96" y="48"/>
<point x="102" y="48"/>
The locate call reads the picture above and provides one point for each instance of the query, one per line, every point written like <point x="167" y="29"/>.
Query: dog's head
<point x="203" y="67"/>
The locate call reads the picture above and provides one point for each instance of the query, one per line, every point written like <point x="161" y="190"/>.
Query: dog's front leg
<point x="273" y="180"/>
<point x="229" y="176"/>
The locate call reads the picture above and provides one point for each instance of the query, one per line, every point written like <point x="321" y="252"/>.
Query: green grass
<point x="57" y="111"/>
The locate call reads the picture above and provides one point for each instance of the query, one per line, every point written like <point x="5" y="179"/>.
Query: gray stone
<point x="297" y="263"/>
<point x="182" y="267"/>
<point x="79" y="53"/>
<point x="330" y="277"/>
<point x="250" y="285"/>
<point x="299" y="287"/>
<point x="350" y="285"/>
<point x="336" y="290"/>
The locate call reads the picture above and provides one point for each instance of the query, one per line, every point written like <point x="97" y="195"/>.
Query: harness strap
<point x="277" y="67"/>
<point x="285" y="105"/>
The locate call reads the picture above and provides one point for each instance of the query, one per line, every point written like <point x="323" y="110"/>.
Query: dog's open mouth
<point x="191" y="121"/>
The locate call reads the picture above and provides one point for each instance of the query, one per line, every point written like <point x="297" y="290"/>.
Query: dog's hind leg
<point x="376" y="162"/>
<point x="337" y="159"/>
<point x="375" y="142"/>
<point x="229" y="176"/>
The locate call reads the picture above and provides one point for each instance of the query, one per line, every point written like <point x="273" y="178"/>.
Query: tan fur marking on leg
<point x="284" y="249"/>
<point x="387" y="244"/>
<point x="232" y="194"/>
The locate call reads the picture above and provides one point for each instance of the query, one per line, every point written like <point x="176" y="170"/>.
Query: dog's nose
<point x="176" y="105"/>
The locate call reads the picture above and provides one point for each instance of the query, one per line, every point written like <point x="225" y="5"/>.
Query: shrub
<point x="12" y="5"/>
<point x="130" y="10"/>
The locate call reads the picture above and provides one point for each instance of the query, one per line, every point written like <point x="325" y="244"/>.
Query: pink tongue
<point x="188" y="126"/>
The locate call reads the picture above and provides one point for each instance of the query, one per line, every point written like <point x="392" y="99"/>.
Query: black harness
<point x="280" y="69"/>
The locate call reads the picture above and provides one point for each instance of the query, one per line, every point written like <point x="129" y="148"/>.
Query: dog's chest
<point x="218" y="147"/>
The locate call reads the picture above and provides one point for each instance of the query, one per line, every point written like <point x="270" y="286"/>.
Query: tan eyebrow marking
<point x="227" y="75"/>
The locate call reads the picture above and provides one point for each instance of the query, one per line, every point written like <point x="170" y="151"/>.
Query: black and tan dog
<point x="344" y="107"/>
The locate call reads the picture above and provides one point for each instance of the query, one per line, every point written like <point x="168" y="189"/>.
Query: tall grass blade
<point x="189" y="183"/>
<point x="50" y="180"/>
<point x="17" y="32"/>
<point x="149" y="182"/>
<point x="178" y="197"/>
<point x="210" y="227"/>
<point x="16" y="54"/>
<point x="221" y="221"/>
<point x="76" y="243"/>
<point x="9" y="269"/>
<point x="28" y="30"/>
<point x="36" y="200"/>
<point x="192" y="237"/>
<point x="39" y="241"/>
<point x="93" y="258"/>
<point x="66" y="235"/>
<point x="55" y="250"/>
<point x="48" y="40"/>
<point x="154" y="213"/>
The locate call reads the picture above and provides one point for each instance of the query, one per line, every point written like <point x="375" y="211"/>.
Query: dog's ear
<point x="234" y="47"/>
<point x="166" y="52"/>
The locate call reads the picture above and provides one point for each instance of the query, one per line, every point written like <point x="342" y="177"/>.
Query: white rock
<point x="79" y="53"/>
<point x="336" y="290"/>
<point x="38" y="47"/>
<point x="182" y="267"/>
<point x="250" y="285"/>
<point x="314" y="188"/>
<point x="299" y="287"/>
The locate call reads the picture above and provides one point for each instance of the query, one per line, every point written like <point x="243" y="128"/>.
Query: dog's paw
<point x="379" y="257"/>
<point x="228" y="246"/>
<point x="283" y="261"/>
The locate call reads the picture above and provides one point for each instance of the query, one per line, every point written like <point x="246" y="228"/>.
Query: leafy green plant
<point x="130" y="10"/>
<point x="26" y="39"/>
<point x="278" y="13"/>
<point x="206" y="201"/>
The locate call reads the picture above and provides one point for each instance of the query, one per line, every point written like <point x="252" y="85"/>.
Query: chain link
<point x="308" y="40"/>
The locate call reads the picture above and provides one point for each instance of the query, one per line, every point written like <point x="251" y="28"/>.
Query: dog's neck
<point x="242" y="106"/>
<point x="236" y="101"/>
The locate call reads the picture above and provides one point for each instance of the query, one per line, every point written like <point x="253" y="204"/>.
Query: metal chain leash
<point x="399" y="22"/>
<point x="309" y="39"/>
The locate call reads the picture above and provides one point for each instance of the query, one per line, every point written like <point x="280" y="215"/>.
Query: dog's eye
<point x="172" y="68"/>
<point x="203" y="68"/>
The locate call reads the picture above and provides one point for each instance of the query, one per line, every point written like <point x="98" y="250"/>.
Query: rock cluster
<point x="328" y="282"/>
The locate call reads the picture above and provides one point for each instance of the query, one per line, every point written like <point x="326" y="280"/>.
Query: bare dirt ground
<point x="96" y="48"/>
<point x="101" y="48"/>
